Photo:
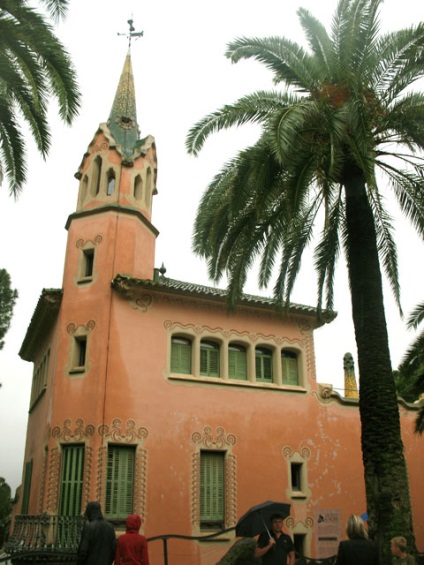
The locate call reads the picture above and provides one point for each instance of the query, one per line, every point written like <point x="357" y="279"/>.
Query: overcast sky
<point x="181" y="74"/>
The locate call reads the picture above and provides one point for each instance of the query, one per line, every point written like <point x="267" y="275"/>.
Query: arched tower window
<point x="84" y="187"/>
<point x="148" y="186"/>
<point x="138" y="187"/>
<point x="111" y="181"/>
<point x="96" y="176"/>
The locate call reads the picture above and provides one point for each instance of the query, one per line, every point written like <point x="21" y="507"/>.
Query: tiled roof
<point x="122" y="283"/>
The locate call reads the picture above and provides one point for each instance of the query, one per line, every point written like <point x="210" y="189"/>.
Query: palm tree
<point x="411" y="369"/>
<point x="347" y="111"/>
<point x="33" y="66"/>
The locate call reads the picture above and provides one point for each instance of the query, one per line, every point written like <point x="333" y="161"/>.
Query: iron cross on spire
<point x="131" y="33"/>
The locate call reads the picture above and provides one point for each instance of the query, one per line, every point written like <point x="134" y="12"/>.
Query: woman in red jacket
<point x="131" y="548"/>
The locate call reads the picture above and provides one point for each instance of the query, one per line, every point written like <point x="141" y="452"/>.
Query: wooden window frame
<point x="210" y="352"/>
<point x="212" y="490"/>
<point x="181" y="355"/>
<point x="27" y="487"/>
<point x="237" y="362"/>
<point x="290" y="367"/>
<point x="120" y="481"/>
<point x="263" y="354"/>
<point x="71" y="482"/>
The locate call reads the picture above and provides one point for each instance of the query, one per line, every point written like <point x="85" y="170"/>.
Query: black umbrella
<point x="258" y="518"/>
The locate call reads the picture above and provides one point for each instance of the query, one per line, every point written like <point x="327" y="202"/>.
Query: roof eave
<point x="128" y="286"/>
<point x="43" y="319"/>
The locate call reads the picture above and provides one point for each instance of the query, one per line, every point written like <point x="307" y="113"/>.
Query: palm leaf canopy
<point x="34" y="66"/>
<point x="346" y="107"/>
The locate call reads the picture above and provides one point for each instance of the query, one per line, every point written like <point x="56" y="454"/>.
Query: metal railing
<point x="46" y="533"/>
<point x="55" y="539"/>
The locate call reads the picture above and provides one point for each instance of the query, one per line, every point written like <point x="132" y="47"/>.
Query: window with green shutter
<point x="212" y="490"/>
<point x="263" y="365"/>
<point x="209" y="359"/>
<point x="289" y="368"/>
<point x="181" y="355"/>
<point x="120" y="481"/>
<point x="237" y="362"/>
<point x="71" y="480"/>
<point x="27" y="487"/>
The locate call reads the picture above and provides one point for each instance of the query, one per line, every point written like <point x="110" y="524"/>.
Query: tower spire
<point x="122" y="120"/>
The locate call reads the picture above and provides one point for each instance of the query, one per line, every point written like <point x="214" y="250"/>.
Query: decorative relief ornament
<point x="117" y="433"/>
<point x="66" y="434"/>
<point x="219" y="441"/>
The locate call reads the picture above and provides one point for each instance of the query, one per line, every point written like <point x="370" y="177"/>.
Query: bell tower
<point x="117" y="182"/>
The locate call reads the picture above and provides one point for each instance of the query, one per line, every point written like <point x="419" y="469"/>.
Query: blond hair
<point x="355" y="528"/>
<point x="400" y="543"/>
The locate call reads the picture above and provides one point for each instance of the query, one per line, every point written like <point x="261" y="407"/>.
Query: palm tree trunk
<point x="386" y="479"/>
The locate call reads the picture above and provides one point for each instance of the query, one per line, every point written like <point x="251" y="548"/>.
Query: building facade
<point x="151" y="397"/>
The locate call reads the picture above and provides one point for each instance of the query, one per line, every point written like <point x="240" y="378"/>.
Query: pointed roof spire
<point x="123" y="115"/>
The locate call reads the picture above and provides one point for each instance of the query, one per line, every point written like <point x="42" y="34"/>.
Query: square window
<point x="296" y="476"/>
<point x="80" y="352"/>
<point x="87" y="263"/>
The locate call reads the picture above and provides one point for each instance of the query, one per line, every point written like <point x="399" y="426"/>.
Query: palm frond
<point x="254" y="108"/>
<point x="416" y="316"/>
<point x="327" y="252"/>
<point x="409" y="191"/>
<point x="289" y="62"/>
<point x="386" y="244"/>
<point x="400" y="56"/>
<point x="319" y="42"/>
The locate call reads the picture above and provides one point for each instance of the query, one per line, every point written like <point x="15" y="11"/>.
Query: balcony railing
<point x="46" y="534"/>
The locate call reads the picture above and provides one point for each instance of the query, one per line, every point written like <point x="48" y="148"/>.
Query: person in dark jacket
<point x="98" y="539"/>
<point x="131" y="548"/>
<point x="358" y="548"/>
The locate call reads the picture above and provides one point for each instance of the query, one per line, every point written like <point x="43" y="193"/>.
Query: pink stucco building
<point x="149" y="396"/>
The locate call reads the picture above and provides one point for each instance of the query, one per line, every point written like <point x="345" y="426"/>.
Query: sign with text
<point x="327" y="531"/>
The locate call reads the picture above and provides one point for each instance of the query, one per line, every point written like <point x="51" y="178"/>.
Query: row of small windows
<point x="210" y="359"/>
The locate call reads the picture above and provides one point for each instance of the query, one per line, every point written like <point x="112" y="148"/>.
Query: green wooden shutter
<point x="181" y="356"/>
<point x="289" y="368"/>
<point x="209" y="359"/>
<point x="27" y="487"/>
<point x="237" y="363"/>
<point x="263" y="365"/>
<point x="212" y="489"/>
<point x="71" y="480"/>
<point x="120" y="481"/>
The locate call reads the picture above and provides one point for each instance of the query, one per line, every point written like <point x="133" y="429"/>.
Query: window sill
<point x="236" y="383"/>
<point x="298" y="494"/>
<point x="85" y="280"/>
<point x="77" y="370"/>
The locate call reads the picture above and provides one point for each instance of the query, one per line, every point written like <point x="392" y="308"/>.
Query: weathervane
<point x="132" y="33"/>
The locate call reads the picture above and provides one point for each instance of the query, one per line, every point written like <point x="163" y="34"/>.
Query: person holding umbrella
<point x="275" y="547"/>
